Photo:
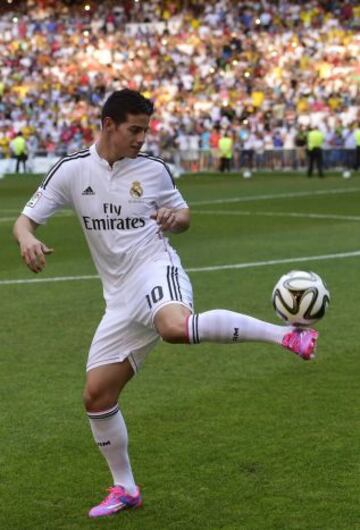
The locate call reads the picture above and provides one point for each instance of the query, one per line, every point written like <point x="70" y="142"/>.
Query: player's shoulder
<point x="66" y="164"/>
<point x="155" y="162"/>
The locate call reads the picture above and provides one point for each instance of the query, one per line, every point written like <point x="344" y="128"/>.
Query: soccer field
<point x="235" y="437"/>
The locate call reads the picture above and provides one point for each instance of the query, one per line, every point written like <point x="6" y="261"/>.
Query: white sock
<point x="110" y="434"/>
<point x="224" y="326"/>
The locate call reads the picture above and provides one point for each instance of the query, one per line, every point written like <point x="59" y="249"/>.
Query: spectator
<point x="205" y="153"/>
<point x="19" y="149"/>
<point x="315" y="143"/>
<point x="300" y="145"/>
<point x="214" y="144"/>
<point x="278" y="154"/>
<point x="349" y="147"/>
<point x="226" y="150"/>
<point x="248" y="151"/>
<point x="288" y="61"/>
<point x="289" y="147"/>
<point x="194" y="151"/>
<point x="259" y="145"/>
<point x="183" y="145"/>
<point x="357" y="140"/>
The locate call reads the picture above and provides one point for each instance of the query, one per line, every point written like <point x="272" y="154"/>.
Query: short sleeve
<point x="52" y="195"/>
<point x="169" y="196"/>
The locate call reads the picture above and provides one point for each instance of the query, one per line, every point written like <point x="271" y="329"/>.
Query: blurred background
<point x="262" y="72"/>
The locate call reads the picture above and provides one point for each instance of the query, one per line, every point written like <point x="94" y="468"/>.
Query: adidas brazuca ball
<point x="300" y="298"/>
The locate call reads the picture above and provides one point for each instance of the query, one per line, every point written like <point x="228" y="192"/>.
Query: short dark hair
<point x="123" y="102"/>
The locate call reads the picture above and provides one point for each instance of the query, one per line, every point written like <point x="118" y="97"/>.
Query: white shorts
<point x="126" y="329"/>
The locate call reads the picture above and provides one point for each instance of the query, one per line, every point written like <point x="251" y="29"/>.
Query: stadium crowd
<point x="263" y="70"/>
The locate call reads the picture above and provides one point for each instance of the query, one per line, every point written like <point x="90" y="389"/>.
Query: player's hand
<point x="166" y="219"/>
<point x="33" y="253"/>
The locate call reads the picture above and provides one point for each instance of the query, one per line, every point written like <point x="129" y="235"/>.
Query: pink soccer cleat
<point x="117" y="500"/>
<point x="302" y="342"/>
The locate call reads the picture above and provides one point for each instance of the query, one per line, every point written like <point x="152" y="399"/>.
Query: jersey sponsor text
<point x="109" y="223"/>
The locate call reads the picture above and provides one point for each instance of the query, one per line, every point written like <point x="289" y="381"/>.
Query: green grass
<point x="221" y="437"/>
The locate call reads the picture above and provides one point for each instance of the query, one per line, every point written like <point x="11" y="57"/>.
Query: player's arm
<point x="32" y="250"/>
<point x="172" y="213"/>
<point x="172" y="220"/>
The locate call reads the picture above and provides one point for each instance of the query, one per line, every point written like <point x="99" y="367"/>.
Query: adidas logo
<point x="88" y="191"/>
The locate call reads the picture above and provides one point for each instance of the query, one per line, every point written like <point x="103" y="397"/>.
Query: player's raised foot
<point x="302" y="342"/>
<point x="117" y="500"/>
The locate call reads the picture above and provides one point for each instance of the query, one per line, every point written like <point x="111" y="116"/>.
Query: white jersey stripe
<point x="161" y="161"/>
<point x="54" y="167"/>
<point x="80" y="154"/>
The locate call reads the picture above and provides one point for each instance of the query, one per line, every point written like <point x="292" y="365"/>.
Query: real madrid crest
<point x="136" y="190"/>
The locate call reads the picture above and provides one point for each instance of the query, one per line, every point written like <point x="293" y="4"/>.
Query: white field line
<point x="17" y="211"/>
<point x="250" y="265"/>
<point x="245" y="198"/>
<point x="63" y="213"/>
<point x="245" y="213"/>
<point x="7" y="219"/>
<point x="67" y="213"/>
<point x="294" y="194"/>
<point x="281" y="214"/>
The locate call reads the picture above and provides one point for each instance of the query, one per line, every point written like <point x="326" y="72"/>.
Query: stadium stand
<point x="267" y="70"/>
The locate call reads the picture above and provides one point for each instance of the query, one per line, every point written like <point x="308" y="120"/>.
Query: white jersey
<point x="113" y="205"/>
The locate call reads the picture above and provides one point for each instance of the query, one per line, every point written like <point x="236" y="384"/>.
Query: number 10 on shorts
<point x="155" y="295"/>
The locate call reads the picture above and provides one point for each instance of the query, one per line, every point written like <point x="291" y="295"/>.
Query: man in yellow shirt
<point x="357" y="140"/>
<point x="315" y="141"/>
<point x="19" y="149"/>
<point x="226" y="151"/>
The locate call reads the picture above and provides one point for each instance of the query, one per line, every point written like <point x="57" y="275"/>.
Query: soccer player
<point x="126" y="201"/>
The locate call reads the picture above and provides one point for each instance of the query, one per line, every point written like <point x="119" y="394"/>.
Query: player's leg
<point x="320" y="162"/>
<point x="311" y="162"/>
<point x="103" y="387"/>
<point x="175" y="324"/>
<point x="168" y="294"/>
<point x="116" y="353"/>
<point x="357" y="160"/>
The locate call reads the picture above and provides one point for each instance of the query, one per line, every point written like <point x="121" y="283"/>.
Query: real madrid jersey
<point x="113" y="205"/>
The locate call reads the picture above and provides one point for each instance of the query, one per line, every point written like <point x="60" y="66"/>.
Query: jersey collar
<point x="104" y="162"/>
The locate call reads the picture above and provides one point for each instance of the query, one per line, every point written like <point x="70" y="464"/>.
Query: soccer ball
<point x="346" y="174"/>
<point x="300" y="298"/>
<point x="247" y="174"/>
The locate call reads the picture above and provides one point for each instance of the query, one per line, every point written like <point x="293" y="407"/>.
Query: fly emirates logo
<point x="112" y="220"/>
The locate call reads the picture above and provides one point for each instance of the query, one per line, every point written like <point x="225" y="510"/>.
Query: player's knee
<point x="96" y="399"/>
<point x="170" y="323"/>
<point x="172" y="331"/>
